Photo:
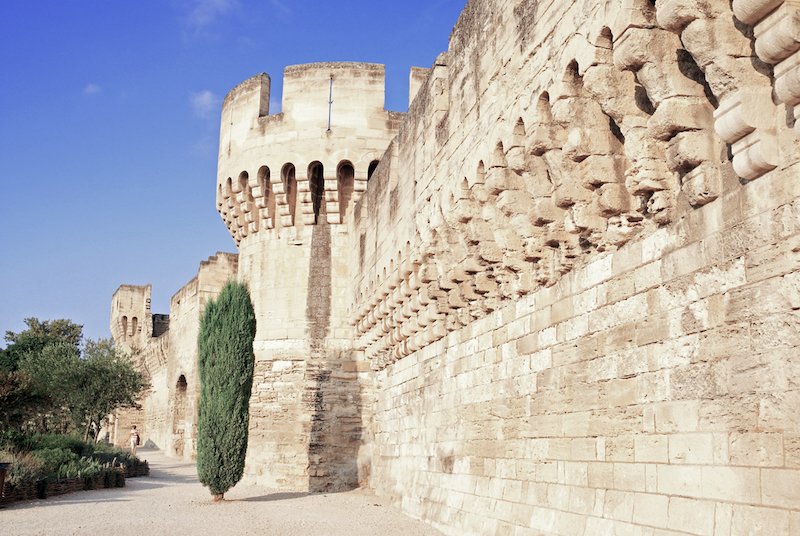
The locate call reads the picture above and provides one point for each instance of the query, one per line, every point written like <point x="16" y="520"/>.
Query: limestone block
<point x="756" y="449"/>
<point x="687" y="150"/>
<point x="584" y="142"/>
<point x="755" y="154"/>
<point x="515" y="158"/>
<point x="663" y="79"/>
<point x="778" y="34"/>
<point x="545" y="137"/>
<point x="780" y="488"/>
<point x="479" y="230"/>
<point x="613" y="199"/>
<point x="567" y="194"/>
<point x="464" y="210"/>
<point x="691" y="515"/>
<point x="647" y="175"/>
<point x="787" y="80"/>
<point x="590" y="56"/>
<point x="631" y="47"/>
<point x="489" y="252"/>
<point x="632" y="15"/>
<point x="679" y="114"/>
<point x="597" y="170"/>
<point x="754" y="520"/>
<point x="584" y="216"/>
<point x="751" y="11"/>
<point x="499" y="179"/>
<point x="743" y="112"/>
<point x="513" y="202"/>
<point x="675" y="15"/>
<point x="650" y="509"/>
<point x="713" y="39"/>
<point x="545" y="211"/>
<point x="702" y="185"/>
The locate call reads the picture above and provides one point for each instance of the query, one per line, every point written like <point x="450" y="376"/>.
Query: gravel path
<point x="172" y="501"/>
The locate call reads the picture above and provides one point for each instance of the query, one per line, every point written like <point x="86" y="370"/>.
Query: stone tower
<point x="285" y="183"/>
<point x="131" y="319"/>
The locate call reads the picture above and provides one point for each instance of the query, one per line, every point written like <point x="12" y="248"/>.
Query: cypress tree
<point x="226" y="360"/>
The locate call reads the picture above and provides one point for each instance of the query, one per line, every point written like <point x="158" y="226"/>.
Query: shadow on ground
<point x="275" y="497"/>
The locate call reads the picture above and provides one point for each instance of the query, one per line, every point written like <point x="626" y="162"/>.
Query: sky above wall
<point x="109" y="126"/>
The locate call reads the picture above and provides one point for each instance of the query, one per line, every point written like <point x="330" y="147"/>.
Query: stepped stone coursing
<point x="566" y="299"/>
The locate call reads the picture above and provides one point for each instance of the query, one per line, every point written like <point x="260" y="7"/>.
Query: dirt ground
<point x="172" y="501"/>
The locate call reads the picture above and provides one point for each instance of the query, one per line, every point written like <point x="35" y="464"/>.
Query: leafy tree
<point x="48" y="385"/>
<point x="226" y="360"/>
<point x="18" y="400"/>
<point x="108" y="380"/>
<point x="54" y="373"/>
<point x="38" y="335"/>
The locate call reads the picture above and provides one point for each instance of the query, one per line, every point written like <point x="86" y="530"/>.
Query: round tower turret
<point x="285" y="183"/>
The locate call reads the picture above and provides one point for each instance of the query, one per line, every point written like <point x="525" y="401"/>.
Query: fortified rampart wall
<point x="579" y="283"/>
<point x="566" y="303"/>
<point x="168" y="418"/>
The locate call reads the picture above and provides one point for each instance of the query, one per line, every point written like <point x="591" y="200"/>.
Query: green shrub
<point x="25" y="468"/>
<point x="84" y="467"/>
<point x="70" y="469"/>
<point x="59" y="441"/>
<point x="91" y="468"/>
<point x="12" y="440"/>
<point x="53" y="456"/>
<point x="21" y="442"/>
<point x="115" y="456"/>
<point x="53" y="459"/>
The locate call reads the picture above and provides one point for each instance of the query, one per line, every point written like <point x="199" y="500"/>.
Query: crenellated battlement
<point x="312" y="161"/>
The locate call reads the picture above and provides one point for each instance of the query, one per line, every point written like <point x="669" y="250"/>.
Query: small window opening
<point x="372" y="166"/>
<point x="317" y="186"/>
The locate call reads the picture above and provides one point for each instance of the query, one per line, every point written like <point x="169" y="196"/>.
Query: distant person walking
<point x="134" y="440"/>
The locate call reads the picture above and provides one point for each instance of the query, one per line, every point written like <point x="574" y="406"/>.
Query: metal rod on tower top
<point x="330" y="103"/>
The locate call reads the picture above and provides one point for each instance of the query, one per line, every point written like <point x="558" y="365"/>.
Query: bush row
<point x="57" y="458"/>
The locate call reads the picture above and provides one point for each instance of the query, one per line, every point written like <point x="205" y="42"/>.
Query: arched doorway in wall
<point x="316" y="183"/>
<point x="290" y="187"/>
<point x="179" y="416"/>
<point x="345" y="176"/>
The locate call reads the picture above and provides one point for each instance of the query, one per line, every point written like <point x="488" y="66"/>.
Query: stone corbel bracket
<point x="776" y="27"/>
<point x="744" y="119"/>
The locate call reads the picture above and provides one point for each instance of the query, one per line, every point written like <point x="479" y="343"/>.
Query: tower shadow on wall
<point x="332" y="393"/>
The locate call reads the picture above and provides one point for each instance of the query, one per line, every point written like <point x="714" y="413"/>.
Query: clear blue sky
<point x="109" y="130"/>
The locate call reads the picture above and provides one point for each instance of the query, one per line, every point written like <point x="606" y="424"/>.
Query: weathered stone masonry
<point x="567" y="301"/>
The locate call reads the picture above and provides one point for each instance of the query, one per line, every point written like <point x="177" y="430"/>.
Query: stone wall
<point x="168" y="418"/>
<point x="305" y="413"/>
<point x="579" y="283"/>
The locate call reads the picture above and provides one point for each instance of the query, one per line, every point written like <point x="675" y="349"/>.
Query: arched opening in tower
<point x="290" y="187"/>
<point x="346" y="180"/>
<point x="371" y="169"/>
<point x="316" y="183"/>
